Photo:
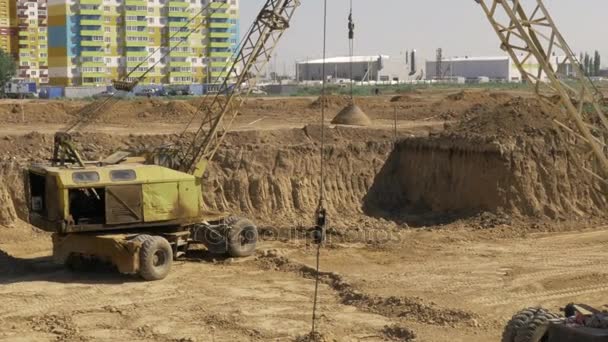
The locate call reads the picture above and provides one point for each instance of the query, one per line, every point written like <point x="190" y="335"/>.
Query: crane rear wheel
<point x="242" y="238"/>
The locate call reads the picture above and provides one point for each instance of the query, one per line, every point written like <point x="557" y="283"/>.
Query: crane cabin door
<point x="123" y="204"/>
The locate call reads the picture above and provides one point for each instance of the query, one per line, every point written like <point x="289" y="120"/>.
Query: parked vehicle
<point x="19" y="88"/>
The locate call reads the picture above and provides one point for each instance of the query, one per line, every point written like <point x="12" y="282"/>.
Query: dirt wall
<point x="464" y="177"/>
<point x="270" y="176"/>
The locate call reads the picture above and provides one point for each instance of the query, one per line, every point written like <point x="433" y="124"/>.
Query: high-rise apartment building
<point x="32" y="43"/>
<point x="8" y="26"/>
<point x="222" y="38"/>
<point x="92" y="42"/>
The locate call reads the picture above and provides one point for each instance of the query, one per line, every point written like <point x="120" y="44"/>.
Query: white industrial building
<point x="476" y="68"/>
<point x="364" y="68"/>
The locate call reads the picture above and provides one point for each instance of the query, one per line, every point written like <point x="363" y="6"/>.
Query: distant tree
<point x="8" y="69"/>
<point x="586" y="64"/>
<point x="597" y="63"/>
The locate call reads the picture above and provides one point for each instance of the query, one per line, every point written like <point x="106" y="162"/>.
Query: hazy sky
<point x="393" y="26"/>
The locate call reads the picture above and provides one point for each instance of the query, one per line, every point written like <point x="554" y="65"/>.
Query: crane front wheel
<point x="155" y="258"/>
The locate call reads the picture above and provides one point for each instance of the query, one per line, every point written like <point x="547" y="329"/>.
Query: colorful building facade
<point x="92" y="42"/>
<point x="8" y="26"/>
<point x="32" y="49"/>
<point x="222" y="38"/>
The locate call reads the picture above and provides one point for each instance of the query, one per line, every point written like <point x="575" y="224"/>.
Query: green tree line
<point x="8" y="68"/>
<point x="591" y="64"/>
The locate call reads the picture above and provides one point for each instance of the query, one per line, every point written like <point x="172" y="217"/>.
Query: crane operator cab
<point x="104" y="210"/>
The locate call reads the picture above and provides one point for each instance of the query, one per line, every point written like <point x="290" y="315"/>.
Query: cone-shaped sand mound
<point x="352" y="115"/>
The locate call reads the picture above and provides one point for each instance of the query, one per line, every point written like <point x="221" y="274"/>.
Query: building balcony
<point x="85" y="53"/>
<point x="219" y="5"/>
<point x="225" y="25"/>
<point x="225" y="35"/>
<point x="180" y="73"/>
<point x="91" y="22"/>
<point x="97" y="43"/>
<point x="220" y="15"/>
<point x="91" y="11"/>
<point x="177" y="23"/>
<point x="93" y="74"/>
<point x="137" y="23"/>
<point x="177" y="3"/>
<point x="224" y="65"/>
<point x="135" y="3"/>
<point x="177" y="14"/>
<point x="219" y="44"/>
<point x="142" y="53"/>
<point x="96" y="33"/>
<point x="93" y="64"/>
<point x="91" y="2"/>
<point x="137" y="34"/>
<point x="136" y="43"/>
<point x="180" y="54"/>
<point x="137" y="14"/>
<point x="180" y="64"/>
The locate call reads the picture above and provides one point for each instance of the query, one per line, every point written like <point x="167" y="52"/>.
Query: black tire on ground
<point x="76" y="263"/>
<point x="519" y="320"/>
<point x="155" y="258"/>
<point x="215" y="241"/>
<point x="141" y="238"/>
<point x="529" y="325"/>
<point x="242" y="238"/>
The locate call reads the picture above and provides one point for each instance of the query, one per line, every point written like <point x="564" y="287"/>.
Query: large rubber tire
<point x="215" y="241"/>
<point x="155" y="258"/>
<point x="77" y="263"/>
<point x="535" y="330"/>
<point x="526" y="325"/>
<point x="141" y="238"/>
<point x="242" y="238"/>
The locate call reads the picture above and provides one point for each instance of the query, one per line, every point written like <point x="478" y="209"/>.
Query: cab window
<point x="85" y="177"/>
<point x="122" y="175"/>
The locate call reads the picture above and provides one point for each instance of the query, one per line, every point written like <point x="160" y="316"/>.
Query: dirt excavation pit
<point x="504" y="157"/>
<point x="509" y="160"/>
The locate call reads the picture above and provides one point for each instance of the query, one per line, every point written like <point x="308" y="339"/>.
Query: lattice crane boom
<point x="219" y="113"/>
<point x="528" y="33"/>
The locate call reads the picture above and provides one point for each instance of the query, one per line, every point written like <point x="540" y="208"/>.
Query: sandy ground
<point x="456" y="283"/>
<point x="464" y="286"/>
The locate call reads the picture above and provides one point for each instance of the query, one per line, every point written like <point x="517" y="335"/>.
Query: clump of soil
<point x="403" y="98"/>
<point x="330" y="101"/>
<point x="7" y="210"/>
<point x="60" y="326"/>
<point x="398" y="333"/>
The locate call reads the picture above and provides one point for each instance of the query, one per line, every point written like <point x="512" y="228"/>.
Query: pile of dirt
<point x="506" y="159"/>
<point x="330" y="101"/>
<point x="517" y="117"/>
<point x="467" y="102"/>
<point x="351" y="115"/>
<point x="38" y="111"/>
